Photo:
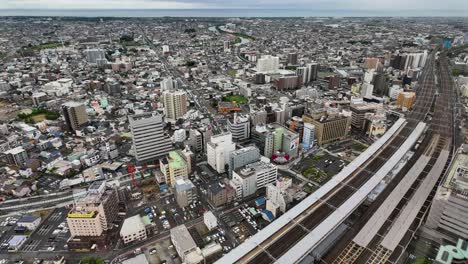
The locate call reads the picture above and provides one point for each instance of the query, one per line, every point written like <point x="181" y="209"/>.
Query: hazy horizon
<point x="226" y="12"/>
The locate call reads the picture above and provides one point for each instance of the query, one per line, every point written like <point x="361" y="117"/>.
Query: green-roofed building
<point x="174" y="167"/>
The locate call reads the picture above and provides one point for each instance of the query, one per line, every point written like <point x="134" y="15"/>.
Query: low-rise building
<point x="29" y="221"/>
<point x="182" y="241"/>
<point x="210" y="220"/>
<point x="133" y="229"/>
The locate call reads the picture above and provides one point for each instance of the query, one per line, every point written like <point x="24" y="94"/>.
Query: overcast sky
<point x="382" y="5"/>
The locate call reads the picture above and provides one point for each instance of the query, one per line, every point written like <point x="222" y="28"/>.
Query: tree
<point x="91" y="260"/>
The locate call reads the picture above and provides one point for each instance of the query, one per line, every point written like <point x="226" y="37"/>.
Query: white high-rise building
<point x="149" y="141"/>
<point x="248" y="179"/>
<point x="94" y="55"/>
<point x="366" y="90"/>
<point x="180" y="135"/>
<point x="268" y="64"/>
<point x="239" y="127"/>
<point x="308" y="135"/>
<point x="218" y="150"/>
<point x="166" y="48"/>
<point x="175" y="104"/>
<point x="168" y="84"/>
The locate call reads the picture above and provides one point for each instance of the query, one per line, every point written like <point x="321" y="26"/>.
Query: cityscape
<point x="261" y="136"/>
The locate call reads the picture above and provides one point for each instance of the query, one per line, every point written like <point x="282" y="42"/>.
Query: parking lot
<point x="51" y="235"/>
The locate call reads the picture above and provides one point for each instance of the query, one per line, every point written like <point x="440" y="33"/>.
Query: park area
<point x="239" y="99"/>
<point x="37" y="115"/>
<point x="320" y="167"/>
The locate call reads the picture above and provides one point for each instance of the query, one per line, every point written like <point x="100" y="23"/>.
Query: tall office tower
<point x="218" y="150"/>
<point x="169" y="84"/>
<point x="174" y="167"/>
<point x="312" y="71"/>
<point x="259" y="78"/>
<point x="75" y="115"/>
<point x="447" y="220"/>
<point x="366" y="90"/>
<point x="149" y="141"/>
<point x="268" y="63"/>
<point x="94" y="55"/>
<point x="359" y="109"/>
<point x="242" y="157"/>
<point x="304" y="73"/>
<point x="380" y="84"/>
<point x="308" y="135"/>
<point x="329" y="128"/>
<point x="239" y="127"/>
<point x="405" y="100"/>
<point x="292" y="58"/>
<point x="175" y="104"/>
<point x="94" y="213"/>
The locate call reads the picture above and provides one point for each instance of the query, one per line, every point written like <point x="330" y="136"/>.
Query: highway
<point x="384" y="232"/>
<point x="286" y="238"/>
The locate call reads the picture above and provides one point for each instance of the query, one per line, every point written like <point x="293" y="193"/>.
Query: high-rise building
<point x="380" y="84"/>
<point x="405" y="100"/>
<point x="359" y="109"/>
<point x="274" y="138"/>
<point x="185" y="192"/>
<point x="218" y="150"/>
<point x="258" y="117"/>
<point x="75" y="115"/>
<point x="149" y="140"/>
<point x="312" y="72"/>
<point x="173" y="167"/>
<point x="239" y="127"/>
<point x="95" y="55"/>
<point x="242" y="157"/>
<point x="366" y="90"/>
<point x="94" y="213"/>
<point x="308" y="135"/>
<point x="268" y="64"/>
<point x="247" y="179"/>
<point x="329" y="128"/>
<point x="292" y="58"/>
<point x="288" y="82"/>
<point x="168" y="84"/>
<point x="175" y="104"/>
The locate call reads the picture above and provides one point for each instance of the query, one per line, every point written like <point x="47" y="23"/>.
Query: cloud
<point x="98" y="4"/>
<point x="382" y="5"/>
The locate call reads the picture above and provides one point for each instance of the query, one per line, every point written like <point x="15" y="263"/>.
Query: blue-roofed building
<point x="268" y="215"/>
<point x="16" y="242"/>
<point x="260" y="201"/>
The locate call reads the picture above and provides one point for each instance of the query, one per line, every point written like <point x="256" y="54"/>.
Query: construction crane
<point x="132" y="169"/>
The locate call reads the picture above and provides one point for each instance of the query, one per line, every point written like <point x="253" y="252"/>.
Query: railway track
<point x="312" y="217"/>
<point x="438" y="142"/>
